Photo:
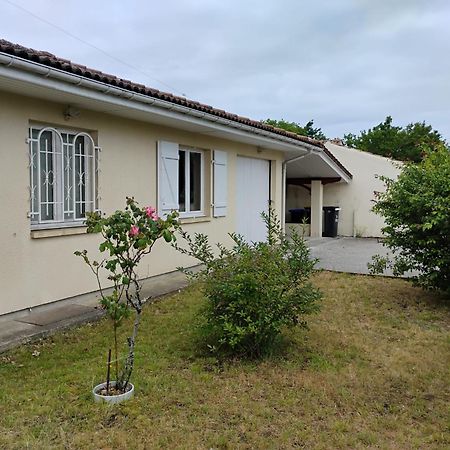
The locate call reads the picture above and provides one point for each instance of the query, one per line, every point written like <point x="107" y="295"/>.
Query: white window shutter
<point x="168" y="157"/>
<point x="220" y="184"/>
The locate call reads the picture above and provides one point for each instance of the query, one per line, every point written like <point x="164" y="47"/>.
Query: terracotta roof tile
<point x="50" y="60"/>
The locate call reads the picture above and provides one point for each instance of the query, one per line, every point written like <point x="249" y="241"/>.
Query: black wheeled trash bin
<point x="331" y="219"/>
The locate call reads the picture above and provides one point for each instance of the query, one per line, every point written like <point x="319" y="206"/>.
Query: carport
<point x="312" y="170"/>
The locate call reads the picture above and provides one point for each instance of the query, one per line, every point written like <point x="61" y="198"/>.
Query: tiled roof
<point x="50" y="60"/>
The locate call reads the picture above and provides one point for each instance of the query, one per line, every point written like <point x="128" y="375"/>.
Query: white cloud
<point x="345" y="64"/>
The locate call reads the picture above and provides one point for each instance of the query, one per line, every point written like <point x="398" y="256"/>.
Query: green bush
<point x="254" y="290"/>
<point x="416" y="209"/>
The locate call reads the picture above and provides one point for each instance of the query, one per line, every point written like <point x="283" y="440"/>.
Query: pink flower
<point x="150" y="212"/>
<point x="134" y="231"/>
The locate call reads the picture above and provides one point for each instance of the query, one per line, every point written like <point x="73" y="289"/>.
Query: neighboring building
<point x="354" y="199"/>
<point x="75" y="140"/>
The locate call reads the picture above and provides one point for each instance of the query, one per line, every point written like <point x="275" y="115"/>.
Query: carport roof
<point x="317" y="165"/>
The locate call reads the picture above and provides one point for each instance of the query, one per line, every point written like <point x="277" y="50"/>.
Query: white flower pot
<point x="111" y="398"/>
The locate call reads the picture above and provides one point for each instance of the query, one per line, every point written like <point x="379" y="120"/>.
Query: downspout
<point x="284" y="170"/>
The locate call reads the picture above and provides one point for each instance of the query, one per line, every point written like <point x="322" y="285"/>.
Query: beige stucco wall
<point x="355" y="198"/>
<point x="36" y="271"/>
<point x="296" y="197"/>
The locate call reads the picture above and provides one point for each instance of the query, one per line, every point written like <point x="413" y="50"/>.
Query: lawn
<point x="373" y="371"/>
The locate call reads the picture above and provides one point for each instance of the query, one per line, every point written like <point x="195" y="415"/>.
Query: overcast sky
<point x="347" y="64"/>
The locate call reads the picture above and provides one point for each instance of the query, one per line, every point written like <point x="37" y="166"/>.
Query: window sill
<point x="54" y="232"/>
<point x="186" y="220"/>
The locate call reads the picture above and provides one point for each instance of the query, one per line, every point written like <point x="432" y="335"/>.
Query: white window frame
<point x="63" y="153"/>
<point x="187" y="179"/>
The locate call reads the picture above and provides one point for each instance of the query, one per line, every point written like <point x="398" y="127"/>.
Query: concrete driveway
<point x="346" y="254"/>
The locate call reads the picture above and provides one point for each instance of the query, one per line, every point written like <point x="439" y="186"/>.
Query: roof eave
<point x="38" y="69"/>
<point x="24" y="70"/>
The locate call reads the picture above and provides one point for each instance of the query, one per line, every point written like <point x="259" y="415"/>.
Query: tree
<point x="404" y="144"/>
<point x="293" y="127"/>
<point x="416" y="209"/>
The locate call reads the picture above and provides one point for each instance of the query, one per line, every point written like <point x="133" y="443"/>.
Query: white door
<point x="252" y="197"/>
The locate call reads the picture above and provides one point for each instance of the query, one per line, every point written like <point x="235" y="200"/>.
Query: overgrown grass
<point x="373" y="371"/>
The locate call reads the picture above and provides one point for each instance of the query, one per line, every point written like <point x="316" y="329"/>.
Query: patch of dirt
<point x="112" y="391"/>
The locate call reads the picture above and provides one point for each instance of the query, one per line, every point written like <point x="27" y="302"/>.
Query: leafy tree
<point x="415" y="136"/>
<point x="416" y="209"/>
<point x="404" y="144"/>
<point x="293" y="127"/>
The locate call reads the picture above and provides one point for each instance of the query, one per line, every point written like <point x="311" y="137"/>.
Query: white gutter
<point x="13" y="67"/>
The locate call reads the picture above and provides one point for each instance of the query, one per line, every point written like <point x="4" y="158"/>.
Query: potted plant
<point x="127" y="236"/>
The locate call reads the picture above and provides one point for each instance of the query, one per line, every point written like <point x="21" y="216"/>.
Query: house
<point x="354" y="199"/>
<point x="76" y="140"/>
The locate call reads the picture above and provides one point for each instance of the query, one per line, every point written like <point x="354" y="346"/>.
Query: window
<point x="63" y="177"/>
<point x="190" y="182"/>
<point x="181" y="181"/>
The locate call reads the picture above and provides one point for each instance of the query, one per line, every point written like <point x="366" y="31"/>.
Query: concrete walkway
<point x="346" y="254"/>
<point x="30" y="325"/>
<point x="338" y="254"/>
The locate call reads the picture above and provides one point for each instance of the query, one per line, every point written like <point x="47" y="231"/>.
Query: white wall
<point x="41" y="270"/>
<point x="356" y="198"/>
<point x="296" y="197"/>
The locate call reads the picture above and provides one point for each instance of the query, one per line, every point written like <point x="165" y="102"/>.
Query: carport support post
<point x="316" y="208"/>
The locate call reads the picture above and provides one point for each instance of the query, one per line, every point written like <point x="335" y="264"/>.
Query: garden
<point x="371" y="371"/>
<point x="260" y="351"/>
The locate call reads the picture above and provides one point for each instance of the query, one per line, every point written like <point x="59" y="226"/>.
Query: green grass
<point x="372" y="372"/>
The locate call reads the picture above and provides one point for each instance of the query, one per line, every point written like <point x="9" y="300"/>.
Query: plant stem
<point x="108" y="372"/>
<point x="131" y="342"/>
<point x="116" y="352"/>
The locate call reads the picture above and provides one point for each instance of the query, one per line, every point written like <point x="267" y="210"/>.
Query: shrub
<point x="254" y="290"/>
<point x="416" y="209"/>
<point x="127" y="236"/>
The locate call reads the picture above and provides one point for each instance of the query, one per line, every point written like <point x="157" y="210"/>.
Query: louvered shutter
<point x="220" y="184"/>
<point x="168" y="157"/>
